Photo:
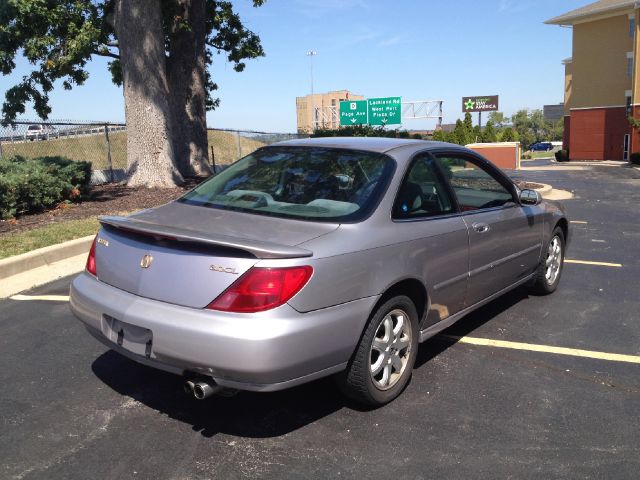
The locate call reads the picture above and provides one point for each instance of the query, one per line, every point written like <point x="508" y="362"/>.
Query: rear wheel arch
<point x="410" y="287"/>
<point x="564" y="225"/>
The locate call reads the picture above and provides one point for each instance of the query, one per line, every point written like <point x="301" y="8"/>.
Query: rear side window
<point x="422" y="193"/>
<point x="475" y="187"/>
<point x="321" y="184"/>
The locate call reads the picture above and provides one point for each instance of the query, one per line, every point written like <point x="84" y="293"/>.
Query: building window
<point x="629" y="65"/>
<point x="632" y="26"/>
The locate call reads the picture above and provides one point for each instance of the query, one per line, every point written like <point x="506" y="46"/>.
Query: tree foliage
<point x="59" y="38"/>
<point x="508" y="135"/>
<point x="498" y="118"/>
<point x="532" y="127"/>
<point x="527" y="128"/>
<point x="362" y="131"/>
<point x="489" y="134"/>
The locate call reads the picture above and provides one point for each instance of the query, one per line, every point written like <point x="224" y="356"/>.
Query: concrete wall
<point x="505" y="155"/>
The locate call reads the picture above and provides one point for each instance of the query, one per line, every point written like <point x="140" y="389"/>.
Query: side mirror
<point x="530" y="197"/>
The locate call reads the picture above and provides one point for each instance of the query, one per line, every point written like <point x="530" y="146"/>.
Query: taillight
<point x="91" y="259"/>
<point x="261" y="289"/>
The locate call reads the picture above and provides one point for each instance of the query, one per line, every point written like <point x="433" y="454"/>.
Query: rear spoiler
<point x="258" y="248"/>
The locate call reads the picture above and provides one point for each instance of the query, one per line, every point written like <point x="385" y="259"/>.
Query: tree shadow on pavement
<point x="261" y="415"/>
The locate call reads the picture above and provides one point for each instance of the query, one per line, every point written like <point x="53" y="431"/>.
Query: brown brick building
<point x="321" y="110"/>
<point x="600" y="88"/>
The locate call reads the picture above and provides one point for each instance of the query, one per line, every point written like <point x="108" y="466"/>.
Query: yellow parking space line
<point x="579" y="222"/>
<point x="486" y="342"/>
<point x="587" y="262"/>
<point x="49" y="298"/>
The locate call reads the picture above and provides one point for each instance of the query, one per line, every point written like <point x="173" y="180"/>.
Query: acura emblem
<point x="146" y="261"/>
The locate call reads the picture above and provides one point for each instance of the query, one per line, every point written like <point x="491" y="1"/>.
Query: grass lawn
<point x="93" y="148"/>
<point x="542" y="154"/>
<point x="226" y="148"/>
<point x="17" y="243"/>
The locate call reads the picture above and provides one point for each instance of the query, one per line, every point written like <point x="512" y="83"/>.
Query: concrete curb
<point x="544" y="189"/>
<point x="549" y="193"/>
<point x="44" y="256"/>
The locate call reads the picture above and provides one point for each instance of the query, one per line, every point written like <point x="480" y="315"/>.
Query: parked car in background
<point x="39" y="131"/>
<point x="542" y="147"/>
<point x="316" y="257"/>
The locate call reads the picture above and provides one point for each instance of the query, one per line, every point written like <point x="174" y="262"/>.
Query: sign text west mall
<point x="374" y="111"/>
<point x="480" y="104"/>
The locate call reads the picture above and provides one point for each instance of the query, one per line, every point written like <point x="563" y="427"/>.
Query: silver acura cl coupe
<point x="315" y="257"/>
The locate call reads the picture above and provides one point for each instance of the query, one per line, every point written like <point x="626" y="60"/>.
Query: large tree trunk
<point x="187" y="85"/>
<point x="150" y="154"/>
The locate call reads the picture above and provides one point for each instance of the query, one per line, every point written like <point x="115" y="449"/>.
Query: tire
<point x="550" y="269"/>
<point x="378" y="373"/>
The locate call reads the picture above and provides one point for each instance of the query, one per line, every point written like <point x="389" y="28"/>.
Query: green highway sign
<point x="353" y="112"/>
<point x="385" y="111"/>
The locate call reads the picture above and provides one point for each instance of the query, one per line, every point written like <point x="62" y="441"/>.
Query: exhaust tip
<point x="202" y="390"/>
<point x="188" y="387"/>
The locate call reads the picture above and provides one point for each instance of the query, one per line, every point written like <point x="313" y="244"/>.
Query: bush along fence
<point x="31" y="185"/>
<point x="104" y="144"/>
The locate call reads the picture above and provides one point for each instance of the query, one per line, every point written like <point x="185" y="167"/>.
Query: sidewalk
<point x="40" y="275"/>
<point x="28" y="270"/>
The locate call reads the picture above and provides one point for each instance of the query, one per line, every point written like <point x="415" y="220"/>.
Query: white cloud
<point x="388" y="42"/>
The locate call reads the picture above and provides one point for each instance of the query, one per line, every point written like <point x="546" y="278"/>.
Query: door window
<point x="475" y="187"/>
<point x="423" y="192"/>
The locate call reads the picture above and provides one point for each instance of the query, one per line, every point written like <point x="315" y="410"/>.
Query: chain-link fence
<point x="104" y="144"/>
<point x="227" y="146"/>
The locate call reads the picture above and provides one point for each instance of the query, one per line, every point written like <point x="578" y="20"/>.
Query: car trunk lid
<point x="192" y="266"/>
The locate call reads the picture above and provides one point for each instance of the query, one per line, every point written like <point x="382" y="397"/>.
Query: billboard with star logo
<point x="488" y="103"/>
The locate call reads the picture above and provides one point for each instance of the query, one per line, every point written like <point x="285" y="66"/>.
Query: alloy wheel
<point x="554" y="260"/>
<point x="390" y="349"/>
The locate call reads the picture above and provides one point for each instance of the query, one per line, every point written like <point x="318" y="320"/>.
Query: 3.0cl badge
<point x="146" y="261"/>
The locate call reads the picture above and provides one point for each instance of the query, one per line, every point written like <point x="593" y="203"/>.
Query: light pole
<point x="311" y="54"/>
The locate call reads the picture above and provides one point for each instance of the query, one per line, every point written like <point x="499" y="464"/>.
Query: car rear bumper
<point x="267" y="351"/>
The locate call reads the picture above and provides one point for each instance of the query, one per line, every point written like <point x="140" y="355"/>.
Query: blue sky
<point x="416" y="49"/>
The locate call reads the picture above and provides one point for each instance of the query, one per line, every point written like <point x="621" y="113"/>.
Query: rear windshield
<point x="321" y="184"/>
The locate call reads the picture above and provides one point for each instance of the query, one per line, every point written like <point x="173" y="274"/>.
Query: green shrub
<point x="562" y="155"/>
<point x="33" y="185"/>
<point x="361" y="131"/>
<point x="635" y="158"/>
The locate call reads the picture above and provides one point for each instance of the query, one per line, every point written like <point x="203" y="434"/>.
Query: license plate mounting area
<point x="135" y="339"/>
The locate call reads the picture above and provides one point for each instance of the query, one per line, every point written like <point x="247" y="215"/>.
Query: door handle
<point x="481" y="227"/>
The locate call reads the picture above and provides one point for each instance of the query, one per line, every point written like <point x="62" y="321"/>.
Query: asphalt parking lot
<point x="70" y="408"/>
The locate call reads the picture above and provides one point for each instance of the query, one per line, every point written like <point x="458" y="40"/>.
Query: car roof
<point x="371" y="144"/>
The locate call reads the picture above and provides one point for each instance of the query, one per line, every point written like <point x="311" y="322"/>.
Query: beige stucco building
<point x="600" y="87"/>
<point x="321" y="110"/>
